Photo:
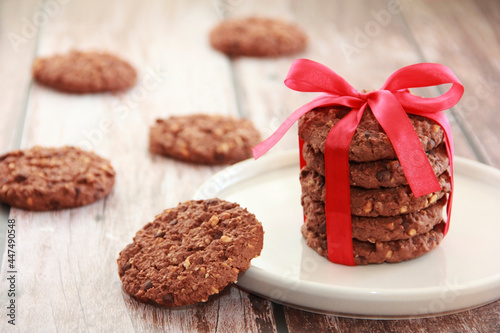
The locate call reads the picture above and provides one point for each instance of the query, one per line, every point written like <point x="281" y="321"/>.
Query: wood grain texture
<point x="19" y="32"/>
<point x="68" y="278"/>
<point x="18" y="42"/>
<point x="464" y="36"/>
<point x="484" y="319"/>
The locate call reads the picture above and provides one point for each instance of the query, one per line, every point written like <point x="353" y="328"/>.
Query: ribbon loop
<point x="424" y="75"/>
<point x="309" y="76"/>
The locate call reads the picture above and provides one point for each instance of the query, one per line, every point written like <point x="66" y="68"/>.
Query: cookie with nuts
<point x="380" y="228"/>
<point x="369" y="143"/>
<point x="257" y="37"/>
<point x="84" y="72"/>
<point x="42" y="179"/>
<point x="380" y="252"/>
<point x="376" y="174"/>
<point x="388" y="201"/>
<point x="190" y="252"/>
<point x="204" y="139"/>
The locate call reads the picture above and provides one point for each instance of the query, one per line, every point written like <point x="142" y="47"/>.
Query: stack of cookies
<point x="389" y="224"/>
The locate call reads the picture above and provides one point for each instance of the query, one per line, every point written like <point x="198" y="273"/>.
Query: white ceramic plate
<point x="462" y="273"/>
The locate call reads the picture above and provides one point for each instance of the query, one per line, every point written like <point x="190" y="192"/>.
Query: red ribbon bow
<point x="389" y="106"/>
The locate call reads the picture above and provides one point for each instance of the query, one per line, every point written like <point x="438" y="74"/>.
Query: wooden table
<point x="67" y="279"/>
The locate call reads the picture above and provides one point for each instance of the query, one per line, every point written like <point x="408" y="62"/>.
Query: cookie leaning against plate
<point x="43" y="179"/>
<point x="258" y="37"/>
<point x="190" y="252"/>
<point x="84" y="72"/>
<point x="204" y="139"/>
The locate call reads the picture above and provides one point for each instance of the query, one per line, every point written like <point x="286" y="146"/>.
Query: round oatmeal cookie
<point x="258" y="37"/>
<point x="381" y="228"/>
<point x="380" y="252"/>
<point x="190" y="252"/>
<point x="84" y="72"/>
<point x="369" y="143"/>
<point x="382" y="173"/>
<point x="42" y="179"/>
<point x="388" y="201"/>
<point x="204" y="139"/>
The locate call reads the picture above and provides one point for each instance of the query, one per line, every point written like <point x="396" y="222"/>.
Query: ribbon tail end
<point x="258" y="151"/>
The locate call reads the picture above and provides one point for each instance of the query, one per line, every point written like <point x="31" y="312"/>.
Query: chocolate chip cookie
<point x="204" y="139"/>
<point x="258" y="37"/>
<point x="42" y="179"/>
<point x="382" y="173"/>
<point x="84" y="72"/>
<point x="381" y="228"/>
<point x="379" y="252"/>
<point x="190" y="252"/>
<point x="369" y="143"/>
<point x="388" y="201"/>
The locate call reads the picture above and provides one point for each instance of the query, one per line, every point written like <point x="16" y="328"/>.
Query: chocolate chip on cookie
<point x="43" y="179"/>
<point x="190" y="252"/>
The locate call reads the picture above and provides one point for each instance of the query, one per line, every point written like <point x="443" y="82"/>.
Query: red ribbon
<point x="390" y="106"/>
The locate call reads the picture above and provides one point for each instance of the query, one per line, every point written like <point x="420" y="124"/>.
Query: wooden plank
<point x="466" y="322"/>
<point x="464" y="36"/>
<point x="18" y="40"/>
<point x="68" y="277"/>
<point x="20" y="23"/>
